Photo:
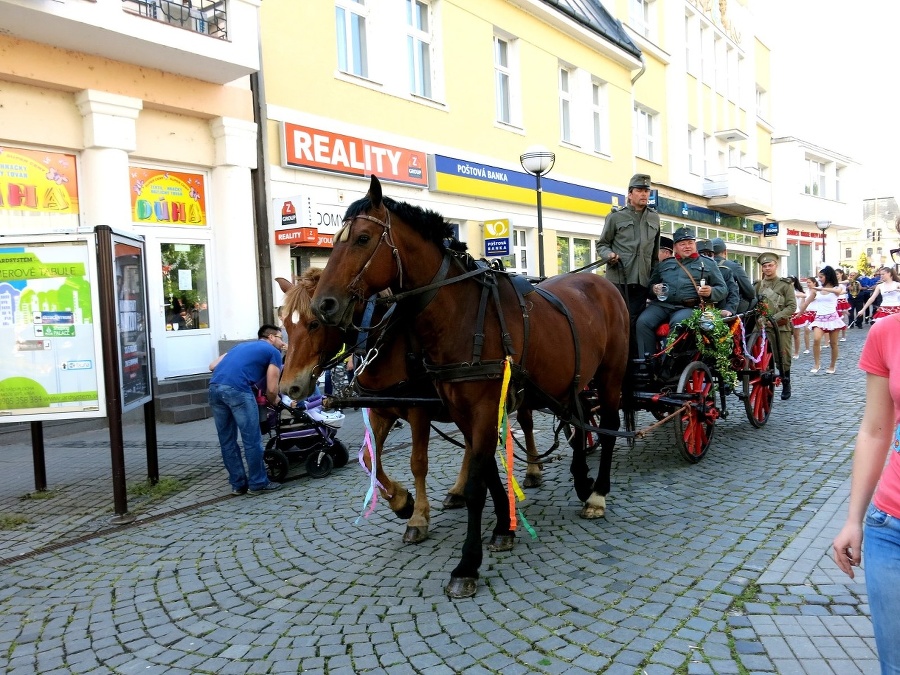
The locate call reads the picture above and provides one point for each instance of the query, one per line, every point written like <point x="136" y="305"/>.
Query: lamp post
<point x="823" y="225"/>
<point x="538" y="160"/>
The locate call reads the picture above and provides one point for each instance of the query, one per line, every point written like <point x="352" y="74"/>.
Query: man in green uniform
<point x="629" y="244"/>
<point x="729" y="305"/>
<point x="745" y="286"/>
<point x="778" y="294"/>
<point x="690" y="279"/>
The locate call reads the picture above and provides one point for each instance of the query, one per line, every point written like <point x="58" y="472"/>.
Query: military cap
<point x="683" y="233"/>
<point x="666" y="243"/>
<point x="718" y="244"/>
<point x="767" y="257"/>
<point x="639" y="180"/>
<point x="704" y="246"/>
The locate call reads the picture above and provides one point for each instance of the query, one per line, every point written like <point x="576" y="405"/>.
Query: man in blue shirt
<point x="234" y="406"/>
<point x="867" y="283"/>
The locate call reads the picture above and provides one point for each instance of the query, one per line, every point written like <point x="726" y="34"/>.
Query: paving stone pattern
<point x="719" y="567"/>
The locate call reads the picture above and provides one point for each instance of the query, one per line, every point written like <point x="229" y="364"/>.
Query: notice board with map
<point x="50" y="350"/>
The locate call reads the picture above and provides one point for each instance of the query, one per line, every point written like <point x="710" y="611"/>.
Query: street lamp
<point x="538" y="161"/>
<point x="823" y="225"/>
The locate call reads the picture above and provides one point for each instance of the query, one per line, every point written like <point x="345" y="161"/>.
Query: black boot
<point x="785" y="387"/>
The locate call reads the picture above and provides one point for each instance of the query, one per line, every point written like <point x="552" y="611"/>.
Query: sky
<point x="834" y="81"/>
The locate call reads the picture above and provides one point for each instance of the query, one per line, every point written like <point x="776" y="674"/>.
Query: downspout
<point x="260" y="203"/>
<point x="633" y="80"/>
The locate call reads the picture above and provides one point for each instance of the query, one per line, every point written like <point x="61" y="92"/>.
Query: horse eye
<point x="313" y="325"/>
<point x="363" y="239"/>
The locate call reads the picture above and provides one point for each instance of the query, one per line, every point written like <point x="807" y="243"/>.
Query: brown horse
<point x="572" y="331"/>
<point x="311" y="344"/>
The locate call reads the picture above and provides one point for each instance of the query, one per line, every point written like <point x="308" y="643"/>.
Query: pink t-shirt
<point x="880" y="358"/>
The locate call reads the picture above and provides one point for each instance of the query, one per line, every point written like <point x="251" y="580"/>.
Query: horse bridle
<point x="386" y="238"/>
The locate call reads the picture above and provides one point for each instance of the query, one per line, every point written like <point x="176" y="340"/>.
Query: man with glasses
<point x="234" y="407"/>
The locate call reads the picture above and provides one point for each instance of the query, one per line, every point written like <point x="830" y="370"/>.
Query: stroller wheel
<point x="276" y="463"/>
<point x="339" y="453"/>
<point x="319" y="464"/>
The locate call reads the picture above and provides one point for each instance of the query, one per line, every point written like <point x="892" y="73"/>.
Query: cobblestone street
<point x="719" y="567"/>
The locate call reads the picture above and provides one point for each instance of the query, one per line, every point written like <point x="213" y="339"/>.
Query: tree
<point x="863" y="266"/>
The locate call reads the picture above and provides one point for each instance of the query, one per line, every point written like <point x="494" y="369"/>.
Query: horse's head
<point x="310" y="343"/>
<point x="363" y="261"/>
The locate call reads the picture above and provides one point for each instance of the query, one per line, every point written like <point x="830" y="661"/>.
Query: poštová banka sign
<point x="462" y="177"/>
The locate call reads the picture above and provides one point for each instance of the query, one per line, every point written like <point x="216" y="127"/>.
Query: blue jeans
<point x="235" y="410"/>
<point x="882" y="566"/>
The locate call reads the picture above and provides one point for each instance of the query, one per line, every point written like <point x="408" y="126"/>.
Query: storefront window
<point x="184" y="286"/>
<point x="574" y="252"/>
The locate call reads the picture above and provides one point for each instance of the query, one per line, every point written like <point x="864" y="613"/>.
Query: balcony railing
<point x="208" y="17"/>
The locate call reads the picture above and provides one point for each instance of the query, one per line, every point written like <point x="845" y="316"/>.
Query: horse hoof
<point x="461" y="587"/>
<point x="592" y="512"/>
<point x="533" y="481"/>
<point x="414" y="535"/>
<point x="405" y="512"/>
<point x="452" y="501"/>
<point x="502" y="542"/>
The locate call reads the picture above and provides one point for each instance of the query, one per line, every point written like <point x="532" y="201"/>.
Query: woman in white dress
<point x="823" y="301"/>
<point x="800" y="321"/>
<point x="889" y="290"/>
<point x="843" y="304"/>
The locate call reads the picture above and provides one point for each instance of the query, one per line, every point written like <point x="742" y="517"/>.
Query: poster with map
<point x="50" y="366"/>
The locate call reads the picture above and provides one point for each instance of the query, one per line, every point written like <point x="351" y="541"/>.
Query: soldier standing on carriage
<point x="629" y="244"/>
<point x="778" y="294"/>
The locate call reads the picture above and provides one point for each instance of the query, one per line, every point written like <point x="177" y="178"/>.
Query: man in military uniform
<point x="778" y="294"/>
<point x="728" y="306"/>
<point x="691" y="279"/>
<point x="748" y="295"/>
<point x="666" y="248"/>
<point x="629" y="244"/>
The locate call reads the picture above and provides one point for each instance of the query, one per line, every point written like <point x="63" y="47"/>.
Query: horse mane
<point x="297" y="299"/>
<point x="430" y="224"/>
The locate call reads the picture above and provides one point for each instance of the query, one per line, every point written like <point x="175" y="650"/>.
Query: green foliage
<point x="863" y="266"/>
<point x="165" y="487"/>
<point x="40" y="494"/>
<point x="11" y="521"/>
<point x="713" y="339"/>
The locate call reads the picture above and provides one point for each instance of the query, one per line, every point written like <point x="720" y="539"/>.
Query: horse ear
<point x="284" y="284"/>
<point x="375" y="194"/>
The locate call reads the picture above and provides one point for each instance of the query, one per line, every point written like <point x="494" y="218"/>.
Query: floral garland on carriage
<point x="720" y="343"/>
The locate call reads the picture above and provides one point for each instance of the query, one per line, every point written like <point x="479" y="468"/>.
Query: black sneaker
<point x="268" y="487"/>
<point x="239" y="491"/>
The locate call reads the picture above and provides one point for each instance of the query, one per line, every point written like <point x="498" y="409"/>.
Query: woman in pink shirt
<point x="878" y="437"/>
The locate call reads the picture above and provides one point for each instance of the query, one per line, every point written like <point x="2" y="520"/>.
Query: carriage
<point x="688" y="380"/>
<point x="574" y="365"/>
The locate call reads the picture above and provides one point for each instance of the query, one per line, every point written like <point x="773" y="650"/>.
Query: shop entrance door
<point x="184" y="336"/>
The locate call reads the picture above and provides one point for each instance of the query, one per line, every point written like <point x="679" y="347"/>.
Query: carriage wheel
<point x="276" y="462"/>
<point x="759" y="382"/>
<point x="630" y="426"/>
<point x="694" y="427"/>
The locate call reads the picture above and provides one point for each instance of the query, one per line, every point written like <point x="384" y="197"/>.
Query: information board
<point x="131" y="321"/>
<point x="50" y="365"/>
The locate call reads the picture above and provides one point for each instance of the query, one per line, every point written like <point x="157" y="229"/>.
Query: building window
<point x="600" y="121"/>
<point x="695" y="159"/>
<point x="707" y="56"/>
<point x="573" y="253"/>
<point x="517" y="260"/>
<point x="763" y="171"/>
<point x="350" y="27"/>
<point x="762" y="103"/>
<point x="418" y="41"/>
<point x="815" y="182"/>
<point x="505" y="80"/>
<point x="646" y="141"/>
<point x="565" y="105"/>
<point x="707" y="149"/>
<point x="848" y="253"/>
<point x="642" y="17"/>
<point x="837" y="184"/>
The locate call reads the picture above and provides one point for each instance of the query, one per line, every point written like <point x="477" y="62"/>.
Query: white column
<point x="236" y="279"/>
<point x="109" y="135"/>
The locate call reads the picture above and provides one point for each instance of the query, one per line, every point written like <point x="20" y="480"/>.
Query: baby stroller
<point x="300" y="435"/>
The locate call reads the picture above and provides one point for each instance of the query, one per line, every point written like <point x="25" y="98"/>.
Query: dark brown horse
<point x="572" y="332"/>
<point x="311" y="344"/>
